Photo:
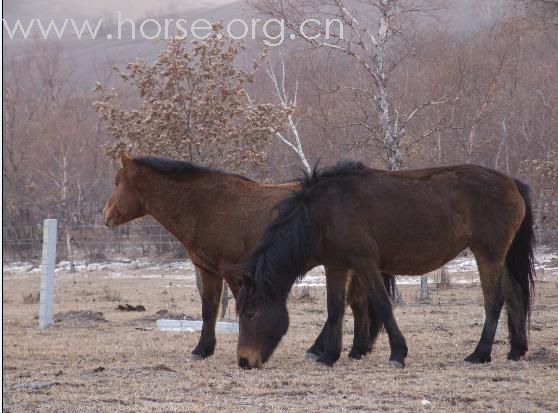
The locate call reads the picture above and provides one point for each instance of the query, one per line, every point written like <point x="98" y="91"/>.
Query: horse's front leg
<point x="318" y="347"/>
<point x="358" y="300"/>
<point x="366" y="325"/>
<point x="211" y="291"/>
<point x="381" y="310"/>
<point x="336" y="281"/>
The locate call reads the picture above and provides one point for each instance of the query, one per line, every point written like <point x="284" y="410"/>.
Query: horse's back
<point x="469" y="190"/>
<point x="418" y="220"/>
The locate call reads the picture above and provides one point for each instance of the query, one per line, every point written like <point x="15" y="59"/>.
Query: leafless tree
<point x="290" y="136"/>
<point x="374" y="36"/>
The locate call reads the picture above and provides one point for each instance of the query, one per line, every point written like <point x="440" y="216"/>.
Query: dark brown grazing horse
<point x="218" y="218"/>
<point x="362" y="221"/>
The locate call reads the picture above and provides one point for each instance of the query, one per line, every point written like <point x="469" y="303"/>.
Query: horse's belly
<point x="413" y="267"/>
<point x="421" y="243"/>
<point x="420" y="258"/>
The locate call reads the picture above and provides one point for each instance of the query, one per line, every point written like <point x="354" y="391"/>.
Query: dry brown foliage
<point x="194" y="106"/>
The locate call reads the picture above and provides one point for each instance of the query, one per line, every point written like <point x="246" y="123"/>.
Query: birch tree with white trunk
<point x="376" y="43"/>
<point x="289" y="134"/>
<point x="370" y="47"/>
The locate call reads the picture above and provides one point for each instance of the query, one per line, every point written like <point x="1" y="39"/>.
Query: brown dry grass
<point x="126" y="365"/>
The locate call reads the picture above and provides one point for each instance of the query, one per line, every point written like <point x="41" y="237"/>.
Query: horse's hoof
<point x="196" y="357"/>
<point x="311" y="356"/>
<point x="326" y="360"/>
<point x="471" y="358"/>
<point x="475" y="358"/>
<point x="394" y="364"/>
<point x="355" y="355"/>
<point x="517" y="353"/>
<point x="515" y="356"/>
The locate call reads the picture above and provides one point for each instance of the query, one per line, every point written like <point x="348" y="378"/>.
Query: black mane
<point x="339" y="170"/>
<point x="173" y="166"/>
<point x="283" y="253"/>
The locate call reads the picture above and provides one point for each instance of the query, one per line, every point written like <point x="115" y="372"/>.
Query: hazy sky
<point x="74" y="8"/>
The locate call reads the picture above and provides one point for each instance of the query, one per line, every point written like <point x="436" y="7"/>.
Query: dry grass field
<point x="125" y="364"/>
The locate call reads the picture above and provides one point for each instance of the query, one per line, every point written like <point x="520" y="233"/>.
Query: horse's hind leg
<point x="336" y="291"/>
<point x="491" y="283"/>
<point x="517" y="323"/>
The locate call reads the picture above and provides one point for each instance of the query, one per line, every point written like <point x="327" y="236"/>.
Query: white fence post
<point x="47" y="273"/>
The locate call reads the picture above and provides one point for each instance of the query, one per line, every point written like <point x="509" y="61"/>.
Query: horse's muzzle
<point x="245" y="364"/>
<point x="106" y="217"/>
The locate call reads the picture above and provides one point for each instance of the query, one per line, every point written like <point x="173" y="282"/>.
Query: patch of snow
<point x="462" y="269"/>
<point x="195" y="325"/>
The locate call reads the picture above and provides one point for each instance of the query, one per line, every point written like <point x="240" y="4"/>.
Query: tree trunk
<point x="198" y="281"/>
<point x="444" y="278"/>
<point x="69" y="250"/>
<point x="224" y="300"/>
<point x="397" y="297"/>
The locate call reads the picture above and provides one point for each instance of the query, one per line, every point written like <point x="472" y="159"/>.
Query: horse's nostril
<point x="244" y="364"/>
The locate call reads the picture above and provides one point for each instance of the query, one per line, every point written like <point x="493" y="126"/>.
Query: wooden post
<point x="424" y="296"/>
<point x="198" y="281"/>
<point x="444" y="278"/>
<point x="46" y="309"/>
<point x="224" y="299"/>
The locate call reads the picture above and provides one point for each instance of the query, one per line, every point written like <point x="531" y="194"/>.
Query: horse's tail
<point x="520" y="258"/>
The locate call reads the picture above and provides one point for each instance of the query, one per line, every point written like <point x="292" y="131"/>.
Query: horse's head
<point x="125" y="203"/>
<point x="263" y="321"/>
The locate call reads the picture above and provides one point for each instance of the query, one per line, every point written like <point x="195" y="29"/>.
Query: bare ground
<point x="84" y="363"/>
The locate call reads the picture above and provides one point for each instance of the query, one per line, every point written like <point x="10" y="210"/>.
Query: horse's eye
<point x="251" y="315"/>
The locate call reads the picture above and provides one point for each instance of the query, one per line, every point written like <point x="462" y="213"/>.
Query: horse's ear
<point x="126" y="161"/>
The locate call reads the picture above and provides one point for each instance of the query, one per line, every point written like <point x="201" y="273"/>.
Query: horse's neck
<point x="177" y="206"/>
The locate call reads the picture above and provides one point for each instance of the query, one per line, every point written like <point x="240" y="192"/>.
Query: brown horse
<point x="218" y="218"/>
<point x="362" y="221"/>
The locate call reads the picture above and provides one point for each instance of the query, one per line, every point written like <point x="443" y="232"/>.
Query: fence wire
<point x="135" y="264"/>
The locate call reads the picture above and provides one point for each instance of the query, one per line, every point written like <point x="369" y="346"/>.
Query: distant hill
<point x="88" y="56"/>
<point x="80" y="8"/>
